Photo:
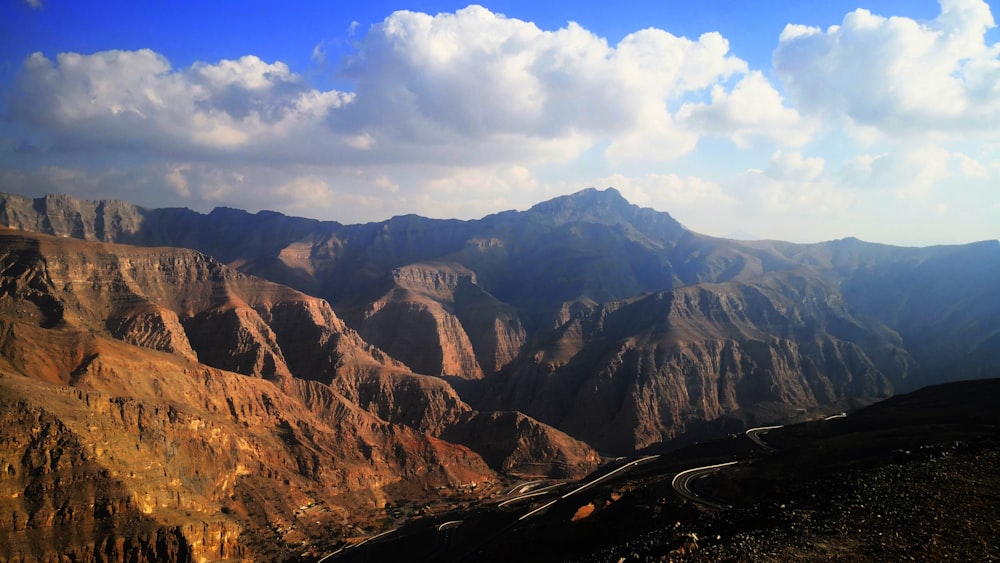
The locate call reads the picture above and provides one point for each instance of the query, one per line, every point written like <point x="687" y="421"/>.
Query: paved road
<point x="539" y="510"/>
<point x="684" y="481"/>
<point x="756" y="433"/>
<point x="449" y="524"/>
<point x="522" y="497"/>
<point x="359" y="544"/>
<point x="626" y="467"/>
<point x="524" y="486"/>
<point x="588" y="484"/>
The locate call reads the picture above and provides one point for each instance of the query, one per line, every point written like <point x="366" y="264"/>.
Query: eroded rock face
<point x="62" y="215"/>
<point x="509" y="442"/>
<point x="172" y="449"/>
<point x="154" y="328"/>
<point x="63" y="501"/>
<point x="181" y="302"/>
<point x="181" y="460"/>
<point x="438" y="321"/>
<point x="633" y="374"/>
<point x="205" y="462"/>
<point x="494" y="300"/>
<point x="519" y="444"/>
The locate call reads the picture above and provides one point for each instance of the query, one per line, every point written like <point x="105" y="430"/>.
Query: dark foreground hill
<point x="914" y="478"/>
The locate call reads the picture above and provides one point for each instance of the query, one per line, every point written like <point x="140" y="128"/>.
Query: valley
<point x="258" y="386"/>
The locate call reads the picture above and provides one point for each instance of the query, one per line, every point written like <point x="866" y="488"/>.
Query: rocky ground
<point x="940" y="504"/>
<point x="913" y="478"/>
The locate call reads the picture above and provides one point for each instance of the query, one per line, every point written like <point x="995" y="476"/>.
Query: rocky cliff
<point x="437" y="320"/>
<point x="188" y="452"/>
<point x="202" y="408"/>
<point x="482" y="300"/>
<point x="632" y="374"/>
<point x="517" y="269"/>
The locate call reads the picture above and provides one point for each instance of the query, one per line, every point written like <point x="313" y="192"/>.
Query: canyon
<point x="237" y="385"/>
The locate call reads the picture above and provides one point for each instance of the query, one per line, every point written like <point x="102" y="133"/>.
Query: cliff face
<point x="126" y="369"/>
<point x="507" y="303"/>
<point x="124" y="450"/>
<point x="181" y="302"/>
<point x="468" y="322"/>
<point x="629" y="375"/>
<point x="437" y="320"/>
<point x="67" y="216"/>
<point x="519" y="444"/>
<point x="63" y="499"/>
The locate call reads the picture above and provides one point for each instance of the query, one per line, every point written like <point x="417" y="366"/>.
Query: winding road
<point x="756" y="433"/>
<point x="587" y="485"/>
<point x="357" y="545"/>
<point x="684" y="481"/>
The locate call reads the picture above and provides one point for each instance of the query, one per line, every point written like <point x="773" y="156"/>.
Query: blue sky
<point x="800" y="121"/>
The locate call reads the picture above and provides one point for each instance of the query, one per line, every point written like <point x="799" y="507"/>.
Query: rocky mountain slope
<point x="159" y="404"/>
<point x="610" y="321"/>
<point x="632" y="374"/>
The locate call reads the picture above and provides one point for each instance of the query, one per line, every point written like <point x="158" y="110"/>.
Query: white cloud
<point x="795" y="167"/>
<point x="134" y="101"/>
<point x="782" y="198"/>
<point x="667" y="192"/>
<point x="460" y="99"/>
<point x="752" y="109"/>
<point x="176" y="180"/>
<point x="910" y="194"/>
<point x="462" y="86"/>
<point x="499" y="180"/>
<point x="895" y="74"/>
<point x="922" y="173"/>
<point x="468" y="88"/>
<point x="463" y="114"/>
<point x="970" y="167"/>
<point x="305" y="192"/>
<point x="319" y="53"/>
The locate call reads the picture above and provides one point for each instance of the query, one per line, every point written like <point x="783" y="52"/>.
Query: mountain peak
<point x="591" y="204"/>
<point x="607" y="207"/>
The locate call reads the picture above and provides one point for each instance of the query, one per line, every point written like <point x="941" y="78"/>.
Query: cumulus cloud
<point x="752" y="109"/>
<point x="481" y="82"/>
<point x="470" y="99"/>
<point x="910" y="194"/>
<point x="795" y="167"/>
<point x="472" y="87"/>
<point x="667" y="191"/>
<point x="896" y="74"/>
<point x="135" y="101"/>
<point x="466" y="113"/>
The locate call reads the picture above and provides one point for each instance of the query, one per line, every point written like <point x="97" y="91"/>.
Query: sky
<point x="803" y="121"/>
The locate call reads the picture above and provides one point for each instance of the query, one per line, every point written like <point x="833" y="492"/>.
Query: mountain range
<point x="233" y="383"/>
